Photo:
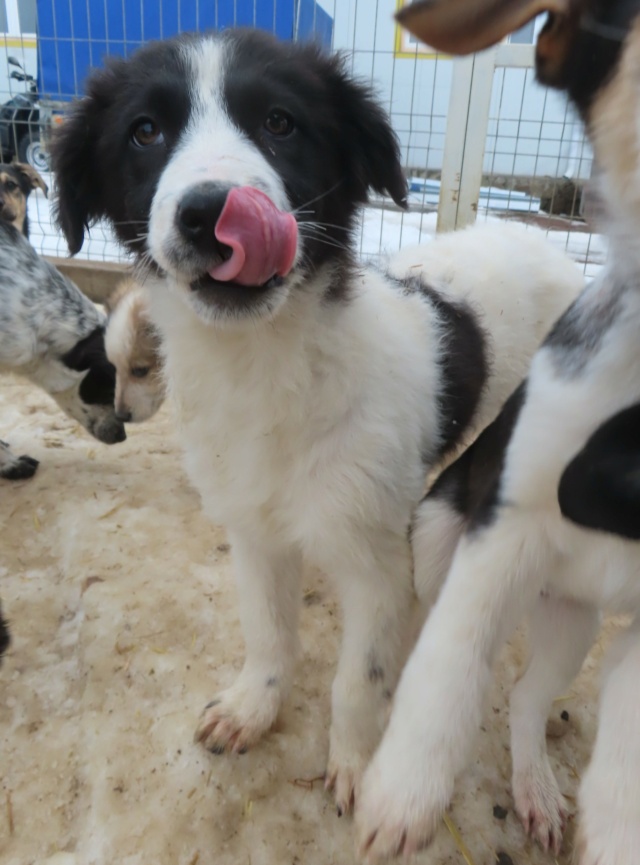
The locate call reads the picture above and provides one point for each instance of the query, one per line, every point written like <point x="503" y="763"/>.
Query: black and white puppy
<point x="17" y="182"/>
<point x="313" y="394"/>
<point x="493" y="520"/>
<point x="53" y="335"/>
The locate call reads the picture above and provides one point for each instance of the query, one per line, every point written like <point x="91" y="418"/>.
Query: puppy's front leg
<point x="268" y="585"/>
<point x="560" y="635"/>
<point x="496" y="574"/>
<point x="377" y="597"/>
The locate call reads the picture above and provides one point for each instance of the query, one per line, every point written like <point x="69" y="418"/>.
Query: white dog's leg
<point x="561" y="633"/>
<point x="496" y="575"/>
<point x="377" y="600"/>
<point x="268" y="583"/>
<point x="609" y="799"/>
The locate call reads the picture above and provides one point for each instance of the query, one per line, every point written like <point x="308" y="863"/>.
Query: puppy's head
<point x="133" y="347"/>
<point x="232" y="162"/>
<point x="90" y="399"/>
<point x="17" y="181"/>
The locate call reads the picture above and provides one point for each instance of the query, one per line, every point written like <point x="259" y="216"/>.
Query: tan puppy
<point x="17" y="181"/>
<point x="133" y="347"/>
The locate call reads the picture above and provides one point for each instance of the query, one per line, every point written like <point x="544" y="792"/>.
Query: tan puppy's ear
<point x="466" y="26"/>
<point x="32" y="176"/>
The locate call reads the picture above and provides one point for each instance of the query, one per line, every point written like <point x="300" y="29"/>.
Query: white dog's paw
<point x="344" y="777"/>
<point x="618" y="845"/>
<point x="541" y="806"/>
<point x="609" y="829"/>
<point x="401" y="805"/>
<point x="237" y="718"/>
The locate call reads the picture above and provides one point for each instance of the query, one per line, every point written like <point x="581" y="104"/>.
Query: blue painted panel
<point x="74" y="37"/>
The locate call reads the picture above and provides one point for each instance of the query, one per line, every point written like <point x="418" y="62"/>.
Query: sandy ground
<point x="122" y="606"/>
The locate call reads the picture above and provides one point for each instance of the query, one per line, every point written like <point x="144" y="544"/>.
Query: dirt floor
<point x="122" y="607"/>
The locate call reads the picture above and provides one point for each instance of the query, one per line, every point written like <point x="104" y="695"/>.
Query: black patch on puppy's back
<point x="471" y="485"/>
<point x="463" y="360"/>
<point x="600" y="488"/>
<point x="98" y="387"/>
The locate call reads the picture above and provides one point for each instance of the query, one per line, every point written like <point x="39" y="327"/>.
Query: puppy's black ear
<point x="72" y="150"/>
<point x="371" y="145"/>
<point x="86" y="351"/>
<point x="79" y="199"/>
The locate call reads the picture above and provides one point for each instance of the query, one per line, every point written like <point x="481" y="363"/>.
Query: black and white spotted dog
<point x="313" y="394"/>
<point x="570" y="432"/>
<point x="53" y="335"/>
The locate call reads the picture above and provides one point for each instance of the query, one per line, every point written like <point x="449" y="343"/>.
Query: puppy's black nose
<point x="123" y="416"/>
<point x="198" y="213"/>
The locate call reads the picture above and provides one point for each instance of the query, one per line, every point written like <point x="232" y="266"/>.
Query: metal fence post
<point x="465" y="139"/>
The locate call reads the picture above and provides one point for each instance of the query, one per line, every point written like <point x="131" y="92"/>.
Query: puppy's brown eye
<point x="146" y="133"/>
<point x="278" y="123"/>
<point x="139" y="371"/>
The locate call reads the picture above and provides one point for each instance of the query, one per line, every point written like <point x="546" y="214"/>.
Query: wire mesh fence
<point x="531" y="149"/>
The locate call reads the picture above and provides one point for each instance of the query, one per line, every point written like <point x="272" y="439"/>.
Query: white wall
<point x="531" y="131"/>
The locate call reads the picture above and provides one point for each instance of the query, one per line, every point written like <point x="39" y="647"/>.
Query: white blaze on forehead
<point x="120" y="333"/>
<point x="211" y="147"/>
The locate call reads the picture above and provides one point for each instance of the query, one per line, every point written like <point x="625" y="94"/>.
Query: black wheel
<point x="31" y="151"/>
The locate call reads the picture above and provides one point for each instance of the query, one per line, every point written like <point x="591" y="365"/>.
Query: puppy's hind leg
<point x="561" y="633"/>
<point x="13" y="468"/>
<point x="497" y="572"/>
<point x="609" y="831"/>
<point x="268" y="585"/>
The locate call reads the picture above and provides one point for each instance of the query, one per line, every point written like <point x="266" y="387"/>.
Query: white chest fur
<point x="319" y="415"/>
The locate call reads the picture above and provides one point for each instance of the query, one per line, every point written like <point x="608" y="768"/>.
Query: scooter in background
<point x="20" y="123"/>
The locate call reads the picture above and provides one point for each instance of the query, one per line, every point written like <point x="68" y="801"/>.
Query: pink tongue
<point x="262" y="238"/>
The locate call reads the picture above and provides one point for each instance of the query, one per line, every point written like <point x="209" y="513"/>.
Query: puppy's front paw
<point x="541" y="806"/>
<point x="20" y="468"/>
<point x="343" y="778"/>
<point x="609" y="831"/>
<point x="402" y="800"/>
<point x="236" y="718"/>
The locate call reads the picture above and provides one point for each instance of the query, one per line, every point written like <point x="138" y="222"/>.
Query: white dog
<point x="516" y="552"/>
<point x="313" y="394"/>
